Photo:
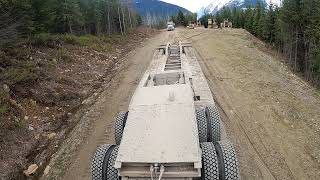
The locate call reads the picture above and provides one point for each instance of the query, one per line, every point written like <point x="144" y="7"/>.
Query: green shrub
<point x="42" y="39"/>
<point x="108" y="47"/>
<point x="100" y="47"/>
<point x="22" y="74"/>
<point x="106" y="39"/>
<point x="4" y="60"/>
<point x="50" y="40"/>
<point x="99" y="43"/>
<point x="68" y="39"/>
<point x="88" y="40"/>
<point x="62" y="55"/>
<point x="118" y="39"/>
<point x="16" y="67"/>
<point x="4" y="108"/>
<point x="10" y="56"/>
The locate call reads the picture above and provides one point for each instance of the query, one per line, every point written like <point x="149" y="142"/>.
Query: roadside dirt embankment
<point x="271" y="115"/>
<point x="59" y="81"/>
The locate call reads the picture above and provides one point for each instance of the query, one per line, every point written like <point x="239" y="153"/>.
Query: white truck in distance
<point x="170" y="26"/>
<point x="172" y="129"/>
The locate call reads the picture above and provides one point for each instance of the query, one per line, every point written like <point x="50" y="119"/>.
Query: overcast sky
<point x="192" y="5"/>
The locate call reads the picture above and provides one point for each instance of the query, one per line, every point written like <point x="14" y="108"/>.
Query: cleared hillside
<point x="271" y="114"/>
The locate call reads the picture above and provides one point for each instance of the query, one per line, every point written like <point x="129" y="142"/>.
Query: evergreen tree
<point x="256" y="29"/>
<point x="249" y="16"/>
<point x="261" y="26"/>
<point x="219" y="19"/>
<point x="67" y="16"/>
<point x="280" y="33"/>
<point x="269" y="24"/>
<point x="236" y="15"/>
<point x="139" y="20"/>
<point x="15" y="21"/>
<point x="192" y="17"/>
<point x="311" y="14"/>
<point x="204" y="19"/>
<point x="24" y="17"/>
<point x="242" y="19"/>
<point x="226" y="13"/>
<point x="181" y="19"/>
<point x="290" y="15"/>
<point x="42" y="15"/>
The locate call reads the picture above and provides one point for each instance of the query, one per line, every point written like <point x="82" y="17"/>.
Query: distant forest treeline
<point x="180" y="19"/>
<point x="293" y="29"/>
<point x="22" y="18"/>
<point x="184" y="19"/>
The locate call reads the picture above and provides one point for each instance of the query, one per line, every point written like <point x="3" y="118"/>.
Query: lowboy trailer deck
<point x="172" y="129"/>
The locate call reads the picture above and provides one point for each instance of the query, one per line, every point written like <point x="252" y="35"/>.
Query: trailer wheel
<point x="219" y="161"/>
<point x="231" y="166"/>
<point x="209" y="169"/>
<point x="120" y="123"/>
<point x="213" y="118"/>
<point x="102" y="163"/>
<point x="202" y="124"/>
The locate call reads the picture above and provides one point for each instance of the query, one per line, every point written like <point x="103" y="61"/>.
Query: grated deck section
<point x="174" y="59"/>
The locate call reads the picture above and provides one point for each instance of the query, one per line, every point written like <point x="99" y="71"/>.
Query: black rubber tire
<point x="209" y="169"/>
<point x="112" y="173"/>
<point x="120" y="123"/>
<point x="231" y="164"/>
<point x="202" y="124"/>
<point x="213" y="120"/>
<point x="219" y="161"/>
<point x="102" y="163"/>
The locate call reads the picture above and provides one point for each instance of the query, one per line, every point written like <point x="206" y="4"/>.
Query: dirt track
<point x="270" y="115"/>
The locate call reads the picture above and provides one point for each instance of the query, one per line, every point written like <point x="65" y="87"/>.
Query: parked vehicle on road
<point x="170" y="26"/>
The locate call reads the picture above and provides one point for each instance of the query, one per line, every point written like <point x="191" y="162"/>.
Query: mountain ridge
<point x="156" y="8"/>
<point x="216" y="5"/>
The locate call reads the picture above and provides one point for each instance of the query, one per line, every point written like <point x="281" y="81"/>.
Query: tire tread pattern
<point x="119" y="126"/>
<point x="210" y="169"/>
<point x="112" y="173"/>
<point x="97" y="162"/>
<point x="214" y="122"/>
<point x="202" y="124"/>
<point x="230" y="160"/>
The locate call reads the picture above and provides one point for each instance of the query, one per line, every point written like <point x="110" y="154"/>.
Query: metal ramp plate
<point x="161" y="127"/>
